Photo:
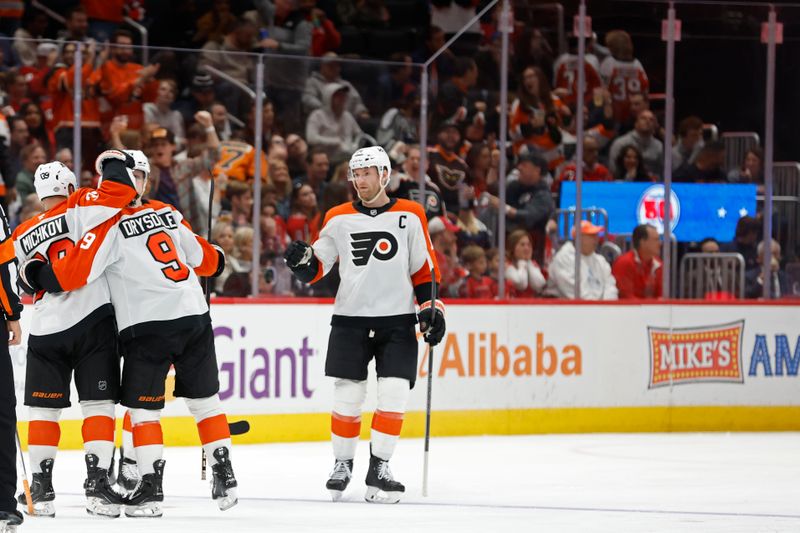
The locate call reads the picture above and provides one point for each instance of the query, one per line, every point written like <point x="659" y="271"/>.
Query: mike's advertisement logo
<point x="696" y="355"/>
<point x="652" y="207"/>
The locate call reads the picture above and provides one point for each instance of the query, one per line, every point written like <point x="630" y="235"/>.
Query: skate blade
<point x="336" y="495"/>
<point x="375" y="495"/>
<point x="226" y="502"/>
<point x="43" y="509"/>
<point x="146" y="510"/>
<point x="97" y="507"/>
<point x="5" y="527"/>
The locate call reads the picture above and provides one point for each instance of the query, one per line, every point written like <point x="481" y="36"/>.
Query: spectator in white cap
<point x="597" y="282"/>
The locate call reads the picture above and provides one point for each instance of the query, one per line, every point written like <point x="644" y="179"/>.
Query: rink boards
<point x="539" y="367"/>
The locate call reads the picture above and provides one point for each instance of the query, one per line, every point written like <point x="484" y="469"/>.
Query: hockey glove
<point x="433" y="333"/>
<point x="298" y="255"/>
<point x="221" y="264"/>
<point x="112" y="155"/>
<point x="37" y="275"/>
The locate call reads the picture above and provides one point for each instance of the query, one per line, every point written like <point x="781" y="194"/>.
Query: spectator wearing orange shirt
<point x="104" y="17"/>
<point x="125" y="84"/>
<point x="638" y="272"/>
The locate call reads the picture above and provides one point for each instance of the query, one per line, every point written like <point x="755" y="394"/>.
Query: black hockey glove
<point x="298" y="254"/>
<point x="433" y="335"/>
<point x="220" y="264"/>
<point x="112" y="155"/>
<point x="37" y="275"/>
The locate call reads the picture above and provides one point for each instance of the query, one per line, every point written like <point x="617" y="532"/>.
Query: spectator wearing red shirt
<point x="638" y="272"/>
<point x="592" y="170"/>
<point x="477" y="284"/>
<point x="443" y="237"/>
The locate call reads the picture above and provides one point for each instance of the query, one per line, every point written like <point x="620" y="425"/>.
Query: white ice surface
<point x="743" y="482"/>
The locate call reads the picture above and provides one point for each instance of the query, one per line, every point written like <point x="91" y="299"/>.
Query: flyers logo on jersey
<point x="380" y="244"/>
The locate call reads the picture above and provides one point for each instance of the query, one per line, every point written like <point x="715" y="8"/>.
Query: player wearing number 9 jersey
<point x="151" y="260"/>
<point x="72" y="332"/>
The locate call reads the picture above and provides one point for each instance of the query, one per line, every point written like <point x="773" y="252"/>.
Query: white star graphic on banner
<point x="721" y="212"/>
<point x="743" y="212"/>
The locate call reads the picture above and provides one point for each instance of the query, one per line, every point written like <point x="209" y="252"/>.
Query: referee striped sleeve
<point x="9" y="300"/>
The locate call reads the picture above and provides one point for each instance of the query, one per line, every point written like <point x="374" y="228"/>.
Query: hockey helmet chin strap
<point x="383" y="183"/>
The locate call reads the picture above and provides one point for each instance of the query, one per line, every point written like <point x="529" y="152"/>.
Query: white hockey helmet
<point x="371" y="156"/>
<point x="53" y="179"/>
<point x="140" y="162"/>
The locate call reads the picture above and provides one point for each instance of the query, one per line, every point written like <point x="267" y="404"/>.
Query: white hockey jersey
<point x="151" y="259"/>
<point x="384" y="255"/>
<point x="50" y="236"/>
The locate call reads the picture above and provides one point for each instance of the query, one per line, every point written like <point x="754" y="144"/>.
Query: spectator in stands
<point x="332" y="127"/>
<point x="77" y="27"/>
<point x="201" y="191"/>
<point x="476" y="284"/>
<point x="172" y="181"/>
<point x="454" y="103"/>
<point x="597" y="283"/>
<point x="443" y="237"/>
<point x="16" y="87"/>
<point x="222" y="235"/>
<point x="752" y="169"/>
<point x="405" y="184"/>
<point x="395" y="84"/>
<point x="289" y="33"/>
<point x="240" y="197"/>
<point x="34" y="25"/>
<point x="399" y="124"/>
<point x="318" y="168"/>
<point x="200" y="98"/>
<point x="297" y="149"/>
<point x="524" y="278"/>
<point x="638" y="271"/>
<point x="707" y="167"/>
<point x="229" y="57"/>
<point x="565" y="75"/>
<point x="630" y="166"/>
<point x="125" y="84"/>
<point x="709" y="245"/>
<point x="442" y="67"/>
<point x="366" y="14"/>
<point x="324" y="35"/>
<point x="529" y="204"/>
<point x="330" y="71"/>
<point x="64" y="156"/>
<point x="106" y="15"/>
<point x="160" y="112"/>
<point x="32" y="156"/>
<point x="754" y="277"/>
<point x="642" y="137"/>
<point x="536" y="117"/>
<point x="303" y="223"/>
<point x="279" y="176"/>
<point x="748" y="230"/>
<point x="213" y="24"/>
<point x="637" y="102"/>
<point x="34" y="118"/>
<point x="592" y="169"/>
<point x="532" y="48"/>
<point x="269" y="126"/>
<point x="243" y="249"/>
<point x="471" y="230"/>
<point x="690" y="142"/>
<point x="448" y="171"/>
<point x="622" y="73"/>
<point x="19" y="138"/>
<point x="488" y="61"/>
<point x="483" y="174"/>
<point x="219" y="116"/>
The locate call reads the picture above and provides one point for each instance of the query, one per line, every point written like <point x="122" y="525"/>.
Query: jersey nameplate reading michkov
<point x="145" y="222"/>
<point x="44" y="232"/>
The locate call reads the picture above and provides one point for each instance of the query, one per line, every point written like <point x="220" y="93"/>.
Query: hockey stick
<point x="25" y="485"/>
<point x="430" y="389"/>
<point x="207" y="287"/>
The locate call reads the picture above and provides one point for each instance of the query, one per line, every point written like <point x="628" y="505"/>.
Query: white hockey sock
<point x="43" y="436"/>
<point x="98" y="430"/>
<point x="148" y="440"/>
<point x="348" y="397"/>
<point x="387" y="421"/>
<point x="127" y="436"/>
<point x="212" y="425"/>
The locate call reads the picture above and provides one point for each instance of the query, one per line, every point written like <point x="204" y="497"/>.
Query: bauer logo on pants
<point x="696" y="355"/>
<point x="380" y="244"/>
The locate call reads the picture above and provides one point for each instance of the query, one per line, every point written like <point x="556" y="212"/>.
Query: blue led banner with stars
<point x="698" y="210"/>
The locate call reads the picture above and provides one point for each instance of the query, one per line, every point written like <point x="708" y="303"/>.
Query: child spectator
<point x="477" y="284"/>
<point x="523" y="275"/>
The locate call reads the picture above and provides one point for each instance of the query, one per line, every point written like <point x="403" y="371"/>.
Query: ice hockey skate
<point x="101" y="499"/>
<point x="146" y="499"/>
<point x="42" y="492"/>
<point x="381" y="486"/>
<point x="127" y="474"/>
<point x="340" y="478"/>
<point x="9" y="520"/>
<point x="223" y="483"/>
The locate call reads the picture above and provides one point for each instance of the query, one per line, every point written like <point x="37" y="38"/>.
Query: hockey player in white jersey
<point x="385" y="260"/>
<point x="152" y="260"/>
<point x="72" y="333"/>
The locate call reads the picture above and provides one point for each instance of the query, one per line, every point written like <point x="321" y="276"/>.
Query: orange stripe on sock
<point x="43" y="433"/>
<point x="347" y="427"/>
<point x="389" y="423"/>
<point x="126" y="422"/>
<point x="147" y="434"/>
<point x="213" y="429"/>
<point x="98" y="428"/>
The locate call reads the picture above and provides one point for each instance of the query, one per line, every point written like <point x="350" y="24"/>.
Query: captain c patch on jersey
<point x="380" y="244"/>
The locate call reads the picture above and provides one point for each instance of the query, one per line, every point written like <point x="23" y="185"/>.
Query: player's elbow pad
<point x="306" y="273"/>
